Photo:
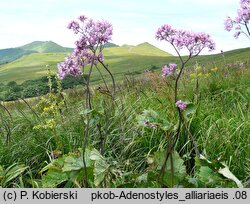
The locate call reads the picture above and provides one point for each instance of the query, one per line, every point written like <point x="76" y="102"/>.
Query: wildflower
<point x="228" y="23"/>
<point x="200" y="75"/>
<point x="82" y="18"/>
<point x="198" y="68"/>
<point x="193" y="75"/>
<point x="193" y="42"/>
<point x="241" y="21"/>
<point x="214" y="69"/>
<point x="181" y="105"/>
<point x="93" y="36"/>
<point x="101" y="57"/>
<point x="75" y="26"/>
<point x="236" y="34"/>
<point x="167" y="71"/>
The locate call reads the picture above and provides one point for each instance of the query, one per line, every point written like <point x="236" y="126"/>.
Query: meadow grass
<point x="220" y="124"/>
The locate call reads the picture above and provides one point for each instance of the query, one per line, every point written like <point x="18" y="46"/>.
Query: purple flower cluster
<point x="167" y="71"/>
<point x="181" y="105"/>
<point x="93" y="36"/>
<point x="193" y="42"/>
<point x="241" y="21"/>
<point x="71" y="66"/>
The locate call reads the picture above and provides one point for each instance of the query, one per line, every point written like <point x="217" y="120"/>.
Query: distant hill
<point x="122" y="60"/>
<point x="11" y="54"/>
<point x="45" y="47"/>
<point x="111" y="45"/>
<point x="144" y="49"/>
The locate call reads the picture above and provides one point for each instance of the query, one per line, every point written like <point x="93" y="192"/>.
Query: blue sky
<point x="134" y="22"/>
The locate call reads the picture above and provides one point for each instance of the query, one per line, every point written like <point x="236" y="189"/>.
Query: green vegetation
<point x="37" y="87"/>
<point x="124" y="60"/>
<point x="11" y="54"/>
<point x="41" y="140"/>
<point x="45" y="47"/>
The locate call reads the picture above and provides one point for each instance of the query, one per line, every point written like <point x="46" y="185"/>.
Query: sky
<point x="134" y="21"/>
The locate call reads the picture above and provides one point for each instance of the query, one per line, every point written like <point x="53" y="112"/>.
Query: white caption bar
<point x="145" y="196"/>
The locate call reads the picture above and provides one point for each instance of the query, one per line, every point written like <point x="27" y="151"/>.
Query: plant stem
<point x="86" y="132"/>
<point x="112" y="78"/>
<point x="247" y="30"/>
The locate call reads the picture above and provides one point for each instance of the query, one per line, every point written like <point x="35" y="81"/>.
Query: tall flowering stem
<point x="93" y="35"/>
<point x="194" y="43"/>
<point x="241" y="22"/>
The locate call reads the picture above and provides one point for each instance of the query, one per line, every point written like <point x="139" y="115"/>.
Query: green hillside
<point x="144" y="49"/>
<point x="45" y="47"/>
<point x="110" y="45"/>
<point x="11" y="54"/>
<point x="29" y="66"/>
<point x="123" y="60"/>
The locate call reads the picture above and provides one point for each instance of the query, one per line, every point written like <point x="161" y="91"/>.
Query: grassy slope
<point x="45" y="47"/>
<point x="11" y="54"/>
<point x="121" y="60"/>
<point x="29" y="66"/>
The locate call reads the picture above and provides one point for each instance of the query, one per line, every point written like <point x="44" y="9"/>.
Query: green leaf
<point x="72" y="163"/>
<point x="13" y="172"/>
<point x="190" y="110"/>
<point x="53" y="178"/>
<point x="193" y="182"/>
<point x="56" y="164"/>
<point x="178" y="167"/>
<point x="101" y="167"/>
<point x="1" y="172"/>
<point x="166" y="125"/>
<point x="147" y="116"/>
<point x="209" y="177"/>
<point x="203" y="161"/>
<point x="228" y="174"/>
<point x="142" y="178"/>
<point x="85" y="111"/>
<point x="152" y="117"/>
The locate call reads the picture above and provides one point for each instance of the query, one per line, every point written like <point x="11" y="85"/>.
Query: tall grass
<point x="221" y="124"/>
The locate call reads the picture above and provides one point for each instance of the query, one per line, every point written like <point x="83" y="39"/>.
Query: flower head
<point x="180" y="39"/>
<point x="181" y="105"/>
<point x="167" y="71"/>
<point x="88" y="50"/>
<point x="241" y="21"/>
<point x="71" y="66"/>
<point x="228" y="24"/>
<point x="82" y="18"/>
<point x="74" y="26"/>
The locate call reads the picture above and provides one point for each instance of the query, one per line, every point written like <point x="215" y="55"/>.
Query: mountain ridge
<point x="45" y="47"/>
